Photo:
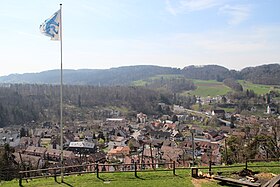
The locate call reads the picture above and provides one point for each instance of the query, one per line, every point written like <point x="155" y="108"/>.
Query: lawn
<point x="145" y="179"/>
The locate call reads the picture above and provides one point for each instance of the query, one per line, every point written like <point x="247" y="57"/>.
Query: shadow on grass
<point x="55" y="179"/>
<point x="139" y="177"/>
<point x="101" y="178"/>
<point x="67" y="184"/>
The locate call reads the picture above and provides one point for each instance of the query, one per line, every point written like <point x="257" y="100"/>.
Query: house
<point x="35" y="151"/>
<point x="197" y="130"/>
<point x="171" y="153"/>
<point x="272" y="109"/>
<point x="9" y="137"/>
<point x="27" y="141"/>
<point x="211" y="134"/>
<point x="141" y="118"/>
<point x="218" y="113"/>
<point x="97" y="157"/>
<point x="116" y="141"/>
<point x="54" y="154"/>
<point x="82" y="147"/>
<point x="30" y="162"/>
<point x="210" y="150"/>
<point x="160" y="134"/>
<point x="118" y="153"/>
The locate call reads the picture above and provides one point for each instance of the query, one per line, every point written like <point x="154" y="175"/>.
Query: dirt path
<point x="198" y="182"/>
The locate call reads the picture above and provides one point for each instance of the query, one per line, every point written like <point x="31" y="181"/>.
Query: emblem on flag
<point x="51" y="26"/>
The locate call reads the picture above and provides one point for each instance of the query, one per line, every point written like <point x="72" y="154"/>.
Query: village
<point x="183" y="138"/>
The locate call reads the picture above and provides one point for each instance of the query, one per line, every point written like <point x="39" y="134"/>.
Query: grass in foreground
<point x="145" y="179"/>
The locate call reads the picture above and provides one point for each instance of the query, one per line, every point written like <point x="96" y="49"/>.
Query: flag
<point x="51" y="26"/>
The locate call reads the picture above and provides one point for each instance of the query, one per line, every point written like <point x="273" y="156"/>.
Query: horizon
<point x="132" y="66"/>
<point x="109" y="34"/>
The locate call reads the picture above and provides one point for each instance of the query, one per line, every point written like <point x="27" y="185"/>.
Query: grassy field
<point x="144" y="179"/>
<point x="211" y="87"/>
<point x="257" y="88"/>
<point x="151" y="79"/>
<point x="208" y="88"/>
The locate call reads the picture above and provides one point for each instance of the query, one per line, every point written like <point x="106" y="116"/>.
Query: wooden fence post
<point x="20" y="179"/>
<point x="210" y="167"/>
<point x="97" y="170"/>
<point x="55" y="175"/>
<point x="135" y="169"/>
<point x="174" y="172"/>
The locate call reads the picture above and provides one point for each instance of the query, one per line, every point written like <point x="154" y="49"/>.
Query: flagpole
<point x="61" y="85"/>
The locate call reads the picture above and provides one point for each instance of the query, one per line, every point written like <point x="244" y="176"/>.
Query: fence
<point x="134" y="167"/>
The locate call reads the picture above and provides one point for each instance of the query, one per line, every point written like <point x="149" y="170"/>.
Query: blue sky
<point x="99" y="34"/>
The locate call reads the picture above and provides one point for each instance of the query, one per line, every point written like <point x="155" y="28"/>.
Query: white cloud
<point x="237" y="13"/>
<point x="182" y="6"/>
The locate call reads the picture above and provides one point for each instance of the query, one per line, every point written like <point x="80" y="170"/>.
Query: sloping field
<point x="208" y="88"/>
<point x="258" y="88"/>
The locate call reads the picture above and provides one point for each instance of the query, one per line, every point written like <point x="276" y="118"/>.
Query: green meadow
<point x="208" y="88"/>
<point x="258" y="88"/>
<point x="211" y="88"/>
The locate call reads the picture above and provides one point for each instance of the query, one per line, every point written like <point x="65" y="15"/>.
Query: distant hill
<point x="265" y="74"/>
<point x="103" y="77"/>
<point x="209" y="72"/>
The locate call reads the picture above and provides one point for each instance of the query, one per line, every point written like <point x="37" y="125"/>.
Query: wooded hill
<point x="24" y="103"/>
<point x="265" y="74"/>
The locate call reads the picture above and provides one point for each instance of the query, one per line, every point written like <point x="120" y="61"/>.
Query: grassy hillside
<point x="258" y="88"/>
<point x="154" y="78"/>
<point x="208" y="88"/>
<point x="204" y="87"/>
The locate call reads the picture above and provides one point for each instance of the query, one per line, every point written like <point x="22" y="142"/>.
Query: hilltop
<point x="264" y="74"/>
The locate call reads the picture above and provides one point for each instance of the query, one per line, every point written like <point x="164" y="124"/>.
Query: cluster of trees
<point x="254" y="146"/>
<point x="233" y="84"/>
<point x="265" y="74"/>
<point x="171" y="84"/>
<point x="8" y="167"/>
<point x="22" y="103"/>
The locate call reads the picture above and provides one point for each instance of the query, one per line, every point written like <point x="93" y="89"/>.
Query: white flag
<point x="51" y="26"/>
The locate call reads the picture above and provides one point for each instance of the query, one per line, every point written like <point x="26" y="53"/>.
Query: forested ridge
<point x="264" y="74"/>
